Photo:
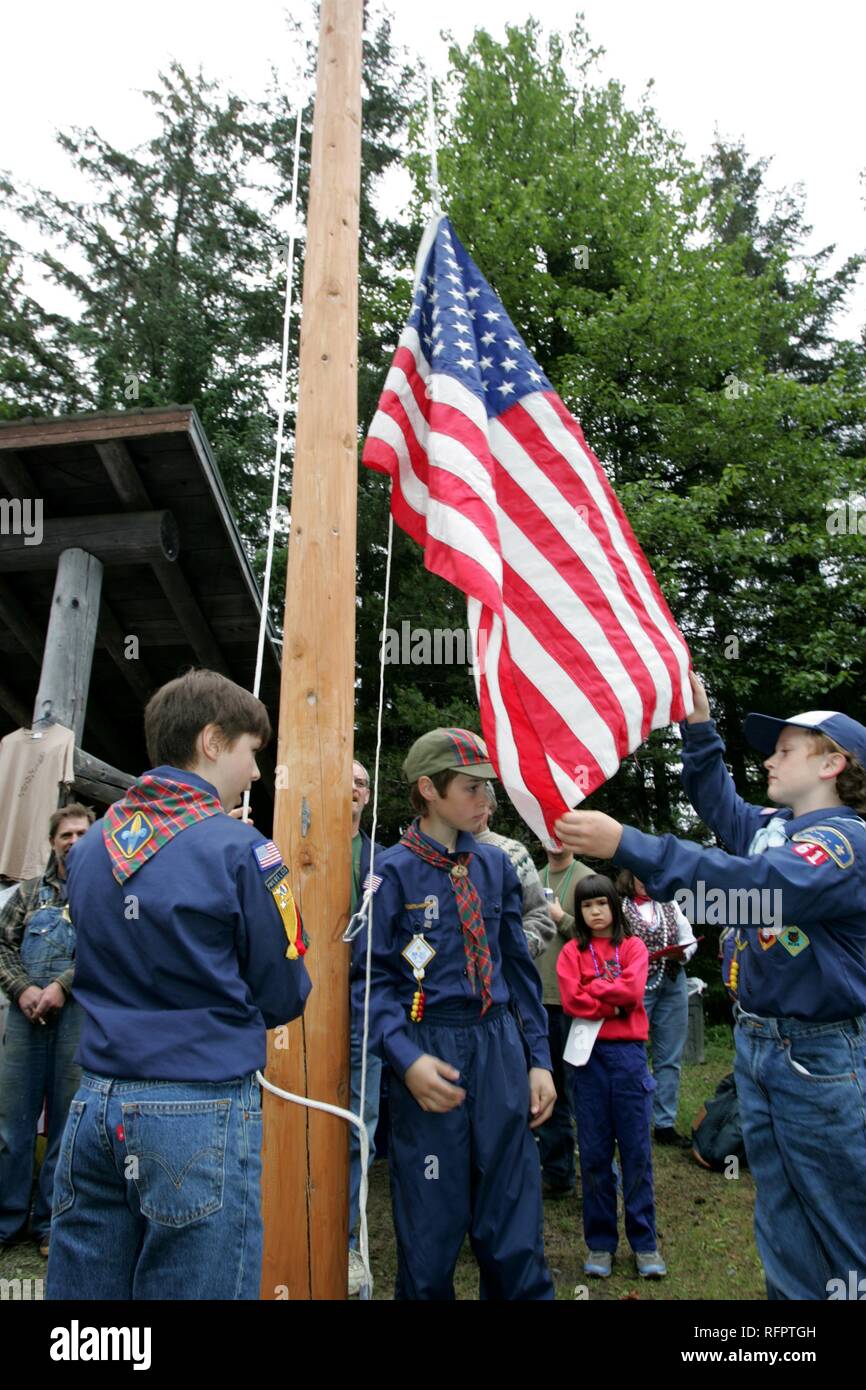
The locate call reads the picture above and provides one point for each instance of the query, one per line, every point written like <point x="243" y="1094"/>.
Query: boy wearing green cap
<point x="456" y="1010"/>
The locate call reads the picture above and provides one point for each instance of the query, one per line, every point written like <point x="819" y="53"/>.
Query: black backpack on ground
<point x="717" y="1134"/>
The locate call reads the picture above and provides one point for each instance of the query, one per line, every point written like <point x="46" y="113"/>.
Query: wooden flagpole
<point x="305" y="1154"/>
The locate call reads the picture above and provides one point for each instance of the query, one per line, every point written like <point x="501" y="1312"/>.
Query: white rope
<point x="281" y="415"/>
<point x="434" y="153"/>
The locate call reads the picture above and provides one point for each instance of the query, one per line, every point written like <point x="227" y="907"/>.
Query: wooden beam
<point x="123" y="474"/>
<point x="306" y="1154"/>
<point x="133" y="539"/>
<point x="126" y="482"/>
<point x="132" y="668"/>
<point x="65" y="676"/>
<point x="97" y="779"/>
<point x="86" y="429"/>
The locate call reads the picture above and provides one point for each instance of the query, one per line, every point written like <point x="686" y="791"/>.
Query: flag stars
<point x="506" y="387"/>
<point x="492" y="316"/>
<point x="465" y="363"/>
<point x="534" y="375"/>
<point x="512" y="343"/>
<point x="488" y="338"/>
<point x="486" y="363"/>
<point x="440" y="347"/>
<point x="509" y="363"/>
<point x="473" y="292"/>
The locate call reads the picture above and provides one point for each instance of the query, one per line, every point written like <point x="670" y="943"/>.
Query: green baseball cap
<point x="445" y="750"/>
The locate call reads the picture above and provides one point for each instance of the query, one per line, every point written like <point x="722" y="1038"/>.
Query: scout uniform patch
<point x="794" y="940"/>
<point x="277" y="884"/>
<point x="419" y="954"/>
<point x="133" y="834"/>
<point x="828" y="838"/>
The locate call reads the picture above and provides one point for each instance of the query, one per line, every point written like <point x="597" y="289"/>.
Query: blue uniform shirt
<point x="180" y="969"/>
<point x="814" y="969"/>
<point x="414" y="898"/>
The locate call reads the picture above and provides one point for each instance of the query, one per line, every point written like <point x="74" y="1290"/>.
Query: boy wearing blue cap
<point x="451" y="975"/>
<point x="800" y="968"/>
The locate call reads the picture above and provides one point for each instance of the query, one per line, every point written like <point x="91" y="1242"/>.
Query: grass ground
<point x="704" y="1223"/>
<point x="704" y="1220"/>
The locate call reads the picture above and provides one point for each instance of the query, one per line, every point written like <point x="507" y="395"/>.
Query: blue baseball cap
<point x="762" y="730"/>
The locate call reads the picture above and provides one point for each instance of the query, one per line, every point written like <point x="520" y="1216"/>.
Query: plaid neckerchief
<point x="478" y="962"/>
<point x="150" y="814"/>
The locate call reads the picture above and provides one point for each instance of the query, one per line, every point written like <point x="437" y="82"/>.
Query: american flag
<point x="577" y="655"/>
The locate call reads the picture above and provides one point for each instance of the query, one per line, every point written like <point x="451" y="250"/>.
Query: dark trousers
<point x="471" y="1171"/>
<point x="556" y="1136"/>
<point x="613" y="1097"/>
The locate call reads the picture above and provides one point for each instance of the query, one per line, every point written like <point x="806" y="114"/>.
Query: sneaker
<point x="650" y="1264"/>
<point x="670" y="1136"/>
<point x="357" y="1273"/>
<point x="599" y="1263"/>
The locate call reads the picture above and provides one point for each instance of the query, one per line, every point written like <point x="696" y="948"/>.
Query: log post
<point x="66" y="664"/>
<point x="306" y="1154"/>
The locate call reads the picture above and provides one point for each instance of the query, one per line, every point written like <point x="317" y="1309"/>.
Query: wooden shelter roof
<point x="200" y="609"/>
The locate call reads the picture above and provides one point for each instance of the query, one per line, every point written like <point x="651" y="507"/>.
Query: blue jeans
<point x="156" y="1194"/>
<point x="38" y="1064"/>
<point x="668" y="1013"/>
<point x="613" y="1106"/>
<point x="801" y="1088"/>
<point x="556" y="1135"/>
<point x="371" y="1119"/>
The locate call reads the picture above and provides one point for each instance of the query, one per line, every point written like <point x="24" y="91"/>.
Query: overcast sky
<point x="786" y="77"/>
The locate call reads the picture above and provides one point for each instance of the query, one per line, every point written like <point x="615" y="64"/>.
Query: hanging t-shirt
<point x="31" y="773"/>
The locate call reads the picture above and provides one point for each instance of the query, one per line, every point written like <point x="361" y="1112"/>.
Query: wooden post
<point x="305" y="1183"/>
<point x="69" y="642"/>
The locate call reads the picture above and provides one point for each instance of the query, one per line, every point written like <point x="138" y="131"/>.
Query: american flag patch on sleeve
<point x="267" y="856"/>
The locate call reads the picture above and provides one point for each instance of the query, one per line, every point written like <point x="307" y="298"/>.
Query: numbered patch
<point x="828" y="838"/>
<point x="813" y="854"/>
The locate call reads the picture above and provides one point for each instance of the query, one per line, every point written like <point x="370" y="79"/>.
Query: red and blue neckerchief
<point x="479" y="964"/>
<point x="150" y="814"/>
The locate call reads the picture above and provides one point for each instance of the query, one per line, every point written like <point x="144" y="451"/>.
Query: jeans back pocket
<point x="178" y="1153"/>
<point x="64" y="1188"/>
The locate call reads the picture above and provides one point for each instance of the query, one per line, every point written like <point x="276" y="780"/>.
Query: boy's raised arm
<point x="708" y="784"/>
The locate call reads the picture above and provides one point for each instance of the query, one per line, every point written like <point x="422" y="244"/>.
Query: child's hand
<point x="431" y="1082"/>
<point x="238" y="814"/>
<point x="542" y="1096"/>
<point x="589" y="832"/>
<point x="701" y="712"/>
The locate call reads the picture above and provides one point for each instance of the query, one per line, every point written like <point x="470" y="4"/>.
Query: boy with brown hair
<point x="456" y="1010"/>
<point x="189" y="948"/>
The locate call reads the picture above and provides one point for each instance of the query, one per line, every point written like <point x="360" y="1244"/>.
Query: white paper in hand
<point x="581" y="1038"/>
